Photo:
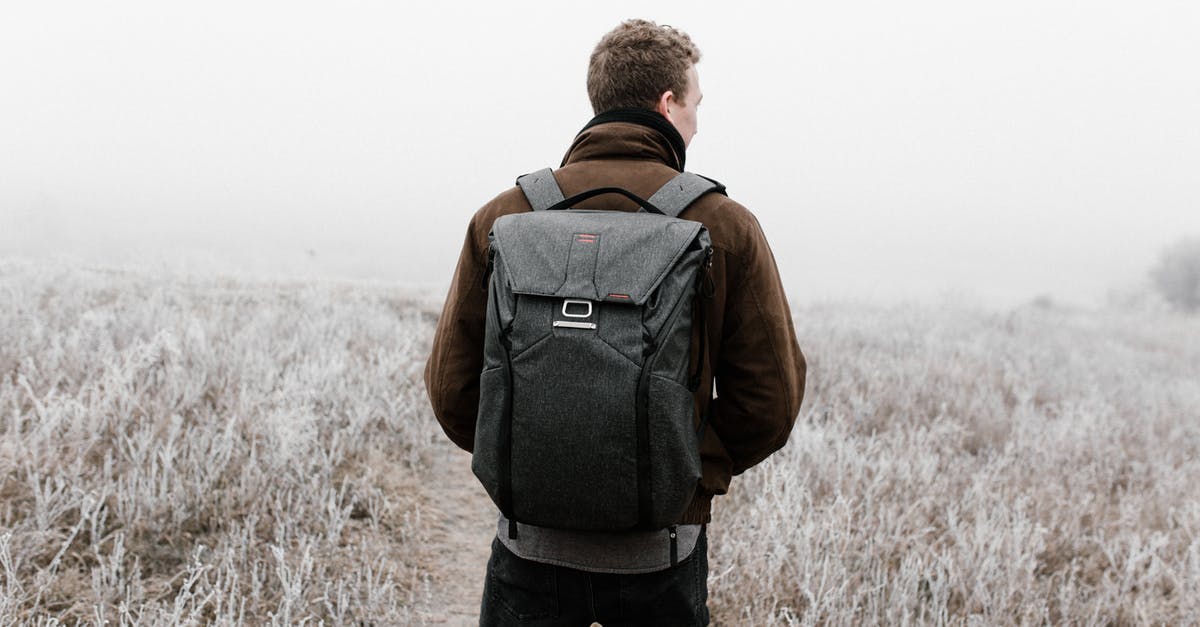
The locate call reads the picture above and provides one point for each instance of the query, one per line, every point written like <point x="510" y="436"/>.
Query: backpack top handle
<point x="599" y="191"/>
<point x="543" y="193"/>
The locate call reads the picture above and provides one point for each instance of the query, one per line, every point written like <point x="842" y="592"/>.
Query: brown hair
<point x="637" y="62"/>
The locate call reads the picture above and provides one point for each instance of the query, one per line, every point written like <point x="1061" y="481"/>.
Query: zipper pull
<point x="707" y="287"/>
<point x="487" y="273"/>
<point x="672" y="532"/>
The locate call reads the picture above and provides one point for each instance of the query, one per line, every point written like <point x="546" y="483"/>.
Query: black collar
<point x="648" y="118"/>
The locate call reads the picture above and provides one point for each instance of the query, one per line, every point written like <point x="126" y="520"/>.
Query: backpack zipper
<point x="643" y="418"/>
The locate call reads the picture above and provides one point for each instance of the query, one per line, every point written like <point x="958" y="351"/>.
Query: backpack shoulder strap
<point x="682" y="191"/>
<point x="541" y="189"/>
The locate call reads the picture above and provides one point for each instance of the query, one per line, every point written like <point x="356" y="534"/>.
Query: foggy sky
<point x="890" y="150"/>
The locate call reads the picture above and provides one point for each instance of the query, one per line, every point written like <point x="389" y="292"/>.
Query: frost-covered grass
<point x="964" y="467"/>
<point x="178" y="451"/>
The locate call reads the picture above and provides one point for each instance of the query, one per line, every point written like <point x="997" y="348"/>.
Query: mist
<point x="1002" y="151"/>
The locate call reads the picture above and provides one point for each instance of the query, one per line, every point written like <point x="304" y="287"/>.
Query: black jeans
<point x="522" y="592"/>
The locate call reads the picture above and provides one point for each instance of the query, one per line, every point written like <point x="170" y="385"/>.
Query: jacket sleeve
<point x="760" y="373"/>
<point x="456" y="358"/>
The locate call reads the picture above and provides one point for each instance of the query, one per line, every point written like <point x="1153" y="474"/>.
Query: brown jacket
<point x="759" y="368"/>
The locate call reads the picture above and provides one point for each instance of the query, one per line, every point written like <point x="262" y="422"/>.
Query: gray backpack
<point x="586" y="419"/>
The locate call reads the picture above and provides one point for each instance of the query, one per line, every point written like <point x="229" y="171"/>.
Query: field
<point x="195" y="450"/>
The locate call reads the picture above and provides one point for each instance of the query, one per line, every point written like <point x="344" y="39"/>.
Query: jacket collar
<point x="629" y="134"/>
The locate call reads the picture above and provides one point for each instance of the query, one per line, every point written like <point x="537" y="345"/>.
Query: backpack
<point x="586" y="416"/>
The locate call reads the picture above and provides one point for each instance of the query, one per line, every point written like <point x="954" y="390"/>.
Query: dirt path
<point x="461" y="522"/>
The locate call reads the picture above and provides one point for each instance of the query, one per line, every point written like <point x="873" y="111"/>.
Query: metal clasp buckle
<point x="587" y="313"/>
<point x="570" y="301"/>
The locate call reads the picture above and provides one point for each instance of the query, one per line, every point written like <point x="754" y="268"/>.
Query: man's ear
<point x="665" y="102"/>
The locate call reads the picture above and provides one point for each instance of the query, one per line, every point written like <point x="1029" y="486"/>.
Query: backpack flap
<point x="609" y="256"/>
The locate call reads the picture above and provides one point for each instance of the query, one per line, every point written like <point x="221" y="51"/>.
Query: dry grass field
<point x="963" y="467"/>
<point x="182" y="450"/>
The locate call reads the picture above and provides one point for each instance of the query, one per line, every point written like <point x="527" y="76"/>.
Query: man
<point x="645" y="90"/>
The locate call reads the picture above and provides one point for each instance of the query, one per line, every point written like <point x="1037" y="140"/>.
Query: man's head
<point x="642" y="65"/>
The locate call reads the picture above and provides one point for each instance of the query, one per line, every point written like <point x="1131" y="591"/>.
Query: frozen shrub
<point x="1177" y="274"/>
